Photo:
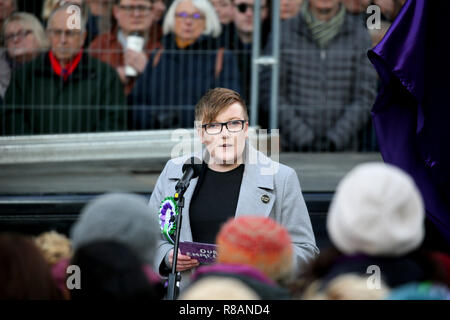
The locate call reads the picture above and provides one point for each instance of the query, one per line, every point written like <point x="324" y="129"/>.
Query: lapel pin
<point x="265" y="198"/>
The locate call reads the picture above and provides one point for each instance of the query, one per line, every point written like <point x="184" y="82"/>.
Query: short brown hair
<point x="216" y="100"/>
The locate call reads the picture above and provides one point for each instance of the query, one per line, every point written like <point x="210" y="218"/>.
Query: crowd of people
<point x="252" y="209"/>
<point x="377" y="252"/>
<point x="134" y="53"/>
<point x="108" y="65"/>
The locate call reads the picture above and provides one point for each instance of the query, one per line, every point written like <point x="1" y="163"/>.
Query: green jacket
<point x="39" y="101"/>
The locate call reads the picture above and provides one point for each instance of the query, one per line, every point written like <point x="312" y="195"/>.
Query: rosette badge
<point x="168" y="210"/>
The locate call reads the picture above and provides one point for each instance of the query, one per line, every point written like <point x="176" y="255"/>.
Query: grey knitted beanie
<point x="120" y="217"/>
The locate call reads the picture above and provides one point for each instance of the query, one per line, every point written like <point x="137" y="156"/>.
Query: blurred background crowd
<point x="115" y="65"/>
<point x="376" y="252"/>
<point x="122" y="65"/>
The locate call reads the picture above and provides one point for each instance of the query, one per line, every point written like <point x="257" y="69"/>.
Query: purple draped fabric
<point x="411" y="115"/>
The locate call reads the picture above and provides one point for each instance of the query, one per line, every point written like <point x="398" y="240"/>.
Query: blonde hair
<point x="54" y="246"/>
<point x="219" y="288"/>
<point x="212" y="22"/>
<point x="346" y="287"/>
<point x="33" y="24"/>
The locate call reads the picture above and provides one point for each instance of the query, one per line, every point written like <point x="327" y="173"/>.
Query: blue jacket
<point x="175" y="79"/>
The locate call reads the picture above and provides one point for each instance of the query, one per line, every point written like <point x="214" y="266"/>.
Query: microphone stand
<point x="190" y="171"/>
<point x="174" y="276"/>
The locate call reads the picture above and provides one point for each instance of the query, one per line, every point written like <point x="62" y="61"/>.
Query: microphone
<point x="191" y="170"/>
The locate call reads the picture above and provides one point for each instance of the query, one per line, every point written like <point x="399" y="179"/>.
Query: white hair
<point x="30" y="21"/>
<point x="212" y="22"/>
<point x="69" y="8"/>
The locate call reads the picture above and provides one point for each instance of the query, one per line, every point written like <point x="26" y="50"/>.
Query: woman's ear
<point x="198" y="127"/>
<point x="246" y="125"/>
<point x="200" y="134"/>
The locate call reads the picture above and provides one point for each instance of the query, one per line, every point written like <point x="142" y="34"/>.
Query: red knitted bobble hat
<point x="259" y="242"/>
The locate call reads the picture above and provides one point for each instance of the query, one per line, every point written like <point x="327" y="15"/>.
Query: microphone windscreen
<point x="194" y="163"/>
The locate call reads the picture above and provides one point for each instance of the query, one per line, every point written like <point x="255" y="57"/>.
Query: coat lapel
<point x="257" y="194"/>
<point x="186" y="232"/>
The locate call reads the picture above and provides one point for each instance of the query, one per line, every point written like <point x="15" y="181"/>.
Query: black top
<point x="214" y="201"/>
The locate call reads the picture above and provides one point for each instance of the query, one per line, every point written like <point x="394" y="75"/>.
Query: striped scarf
<point x="323" y="31"/>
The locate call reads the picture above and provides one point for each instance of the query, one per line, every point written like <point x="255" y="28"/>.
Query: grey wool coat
<point x="325" y="94"/>
<point x="286" y="205"/>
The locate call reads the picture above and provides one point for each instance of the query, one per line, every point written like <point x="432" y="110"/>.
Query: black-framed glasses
<point x="232" y="126"/>
<point x="185" y="15"/>
<point x="21" y="34"/>
<point x="242" y="7"/>
<point x="130" y="9"/>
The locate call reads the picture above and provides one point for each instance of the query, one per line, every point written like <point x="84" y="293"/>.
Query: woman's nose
<point x="225" y="133"/>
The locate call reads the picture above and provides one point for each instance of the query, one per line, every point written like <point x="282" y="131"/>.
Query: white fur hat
<point x="377" y="210"/>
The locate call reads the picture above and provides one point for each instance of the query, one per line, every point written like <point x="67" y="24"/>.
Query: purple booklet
<point x="205" y="253"/>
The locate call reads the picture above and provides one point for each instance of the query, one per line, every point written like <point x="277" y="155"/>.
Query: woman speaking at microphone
<point x="234" y="181"/>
